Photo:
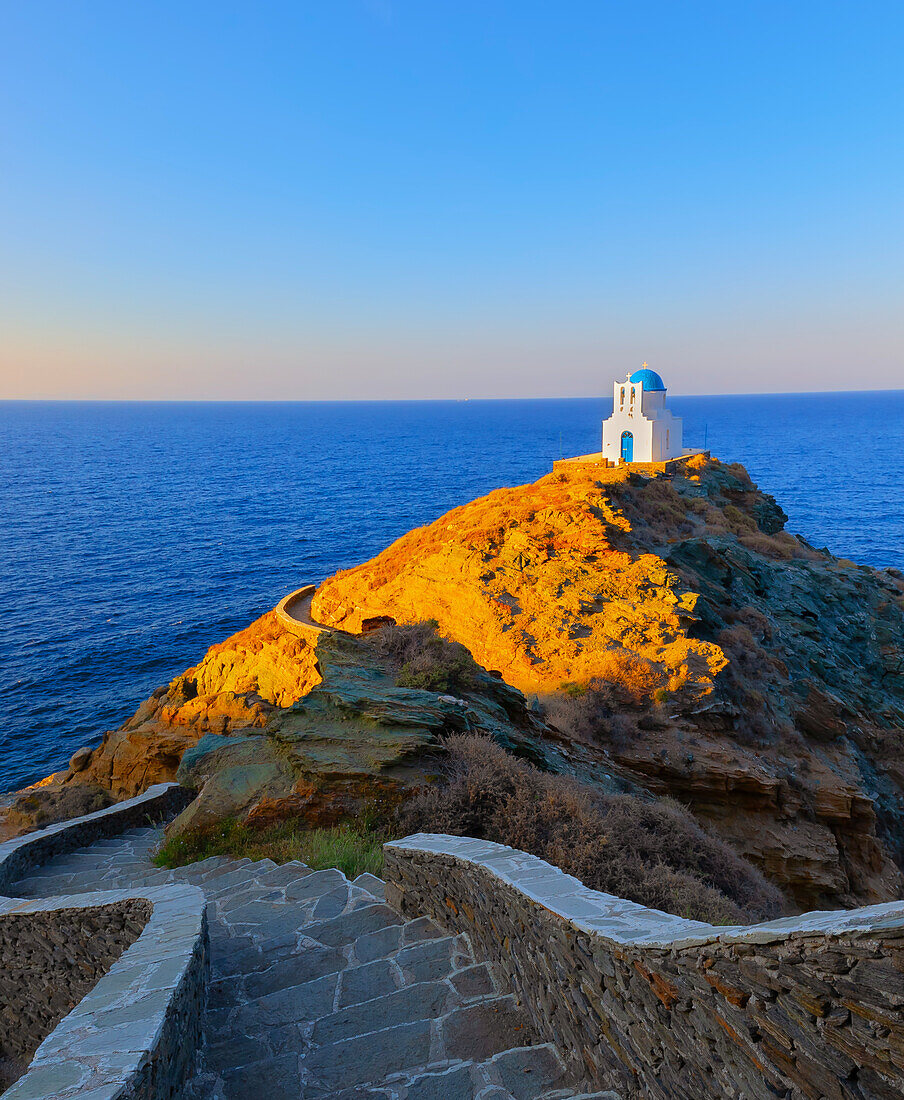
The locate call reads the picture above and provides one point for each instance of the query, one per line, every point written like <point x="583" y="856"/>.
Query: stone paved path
<point x="321" y="990"/>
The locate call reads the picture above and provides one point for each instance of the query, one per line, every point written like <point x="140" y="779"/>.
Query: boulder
<point x="80" y="759"/>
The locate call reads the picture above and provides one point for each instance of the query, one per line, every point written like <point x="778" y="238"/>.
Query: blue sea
<point x="133" y="536"/>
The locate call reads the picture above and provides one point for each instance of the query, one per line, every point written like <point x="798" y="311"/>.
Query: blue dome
<point x="649" y="379"/>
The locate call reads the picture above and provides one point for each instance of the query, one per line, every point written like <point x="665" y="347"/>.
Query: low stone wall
<point x="133" y="1035"/>
<point x="134" y="1032"/>
<point x="294" y="612"/>
<point x="667" y="1008"/>
<point x="606" y="471"/>
<point x="48" y="962"/>
<point x="19" y="855"/>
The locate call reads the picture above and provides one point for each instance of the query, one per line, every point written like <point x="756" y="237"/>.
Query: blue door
<point x="627" y="447"/>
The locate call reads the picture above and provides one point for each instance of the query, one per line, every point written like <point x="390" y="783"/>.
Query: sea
<point x="134" y="536"/>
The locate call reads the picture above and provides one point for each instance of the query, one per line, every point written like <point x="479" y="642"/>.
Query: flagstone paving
<point x="321" y="990"/>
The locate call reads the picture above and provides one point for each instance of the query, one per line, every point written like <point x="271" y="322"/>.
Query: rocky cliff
<point x="239" y="684"/>
<point x="676" y="637"/>
<point x="765" y="676"/>
<point x="269" y="726"/>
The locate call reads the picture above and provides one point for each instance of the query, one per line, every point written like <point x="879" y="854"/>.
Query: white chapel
<point x="641" y="428"/>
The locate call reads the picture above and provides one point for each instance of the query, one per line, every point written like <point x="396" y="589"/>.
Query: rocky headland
<point x="655" y="630"/>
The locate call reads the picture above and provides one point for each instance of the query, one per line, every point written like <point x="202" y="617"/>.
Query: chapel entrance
<point x="627" y="447"/>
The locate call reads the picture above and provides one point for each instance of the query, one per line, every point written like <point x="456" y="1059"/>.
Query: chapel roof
<point x="649" y="379"/>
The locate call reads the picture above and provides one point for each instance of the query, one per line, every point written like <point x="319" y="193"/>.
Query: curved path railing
<point x="294" y="612"/>
<point x="133" y="1036"/>
<point x="809" y="1006"/>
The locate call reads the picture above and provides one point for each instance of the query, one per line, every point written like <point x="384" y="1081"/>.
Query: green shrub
<point x="422" y="658"/>
<point x="652" y="852"/>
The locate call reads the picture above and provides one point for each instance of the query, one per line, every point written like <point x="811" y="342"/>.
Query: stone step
<point x="42" y="885"/>
<point x="372" y="884"/>
<point x="480" y="1030"/>
<point x="320" y="989"/>
<point x="524" y="1073"/>
<point x="194" y="872"/>
<point x="284" y="873"/>
<point x="315" y="884"/>
<point x="424" y="1001"/>
<point x="386" y="941"/>
<point x="433" y="959"/>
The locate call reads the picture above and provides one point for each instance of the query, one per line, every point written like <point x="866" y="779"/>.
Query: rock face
<point x="767" y="675"/>
<point x="238" y="685"/>
<point x="546" y="583"/>
<point x="269" y="726"/>
<point x="354" y="739"/>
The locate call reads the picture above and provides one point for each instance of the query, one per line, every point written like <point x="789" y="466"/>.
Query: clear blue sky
<point x="408" y="198"/>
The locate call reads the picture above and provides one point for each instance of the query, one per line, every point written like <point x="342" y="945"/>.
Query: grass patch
<point x="352" y="848"/>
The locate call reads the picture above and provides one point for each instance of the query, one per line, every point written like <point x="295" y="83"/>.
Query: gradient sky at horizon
<point x="391" y="198"/>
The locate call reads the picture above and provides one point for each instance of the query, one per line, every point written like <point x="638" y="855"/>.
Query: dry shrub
<point x="42" y="806"/>
<point x="653" y="853"/>
<point x="740" y="472"/>
<point x="768" y="546"/>
<point x="625" y="680"/>
<point x="591" y="714"/>
<point x="629" y="674"/>
<point x="715" y="521"/>
<point x="756" y="622"/>
<point x="738" y="644"/>
<point x="798" y="549"/>
<point x="422" y="658"/>
<point x="660" y="508"/>
<point x="740" y="522"/>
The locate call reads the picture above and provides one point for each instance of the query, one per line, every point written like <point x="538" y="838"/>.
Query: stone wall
<point x="662" y="1007"/>
<point x="137" y="1022"/>
<point x="605" y="471"/>
<point x="19" y="855"/>
<point x="133" y="1035"/>
<point x="294" y="612"/>
<point x="48" y="962"/>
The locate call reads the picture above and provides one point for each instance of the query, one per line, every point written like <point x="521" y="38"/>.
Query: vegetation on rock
<point x="422" y="658"/>
<point x="543" y="583"/>
<point x="648" y="851"/>
<point x="43" y="805"/>
<point x="706" y="653"/>
<point x="354" y="849"/>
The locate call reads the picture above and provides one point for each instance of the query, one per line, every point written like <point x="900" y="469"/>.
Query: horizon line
<point x="392" y="400"/>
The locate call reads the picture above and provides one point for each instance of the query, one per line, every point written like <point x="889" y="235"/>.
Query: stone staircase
<point x="321" y="990"/>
